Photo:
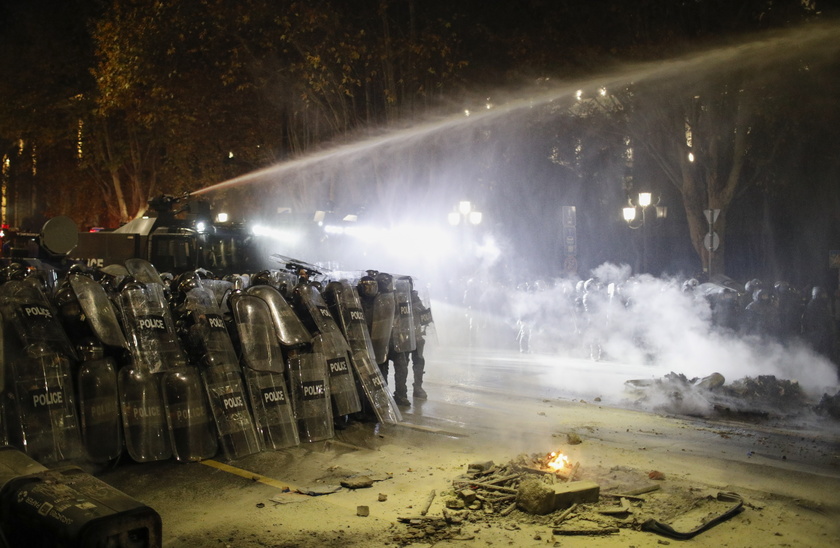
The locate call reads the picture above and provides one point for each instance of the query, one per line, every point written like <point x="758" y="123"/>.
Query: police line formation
<point x="98" y="363"/>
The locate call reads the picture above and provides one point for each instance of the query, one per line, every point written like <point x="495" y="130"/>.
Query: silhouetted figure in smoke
<point x="818" y="323"/>
<point x="725" y="309"/>
<point x="525" y="316"/>
<point x="761" y="317"/>
<point x="579" y="310"/>
<point x="471" y="305"/>
<point x="748" y="296"/>
<point x="565" y="315"/>
<point x="594" y="305"/>
<point x="790" y="311"/>
<point x="690" y="285"/>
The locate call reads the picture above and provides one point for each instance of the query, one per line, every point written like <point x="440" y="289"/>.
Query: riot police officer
<point x="595" y="307"/>
<point x="761" y="316"/>
<point x="422" y="317"/>
<point x="818" y="323"/>
<point x="790" y="311"/>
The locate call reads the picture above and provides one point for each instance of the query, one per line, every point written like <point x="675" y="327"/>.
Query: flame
<point x="557" y="461"/>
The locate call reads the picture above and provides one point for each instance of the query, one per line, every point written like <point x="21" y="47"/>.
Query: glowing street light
<point x="643" y="202"/>
<point x="466" y="213"/>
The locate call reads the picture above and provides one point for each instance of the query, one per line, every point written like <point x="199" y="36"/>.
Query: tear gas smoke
<point x="646" y="327"/>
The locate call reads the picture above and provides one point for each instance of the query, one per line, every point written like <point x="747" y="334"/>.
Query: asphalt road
<point x="492" y="404"/>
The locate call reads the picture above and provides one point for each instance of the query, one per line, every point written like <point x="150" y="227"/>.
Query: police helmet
<point x="592" y="284"/>
<point x="368" y="287"/>
<point x="385" y="282"/>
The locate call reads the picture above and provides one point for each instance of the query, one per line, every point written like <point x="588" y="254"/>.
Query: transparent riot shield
<point x="290" y="330"/>
<point x="347" y="309"/>
<point x="220" y="290"/>
<point x="263" y="367"/>
<point x="44" y="405"/>
<point x="96" y="377"/>
<point x="208" y="333"/>
<point x="191" y="429"/>
<point x="384" y="308"/>
<point x="228" y="402"/>
<point x="343" y="393"/>
<point x="330" y="342"/>
<point x="424" y="322"/>
<point x="99" y="311"/>
<point x="99" y="404"/>
<point x="403" y="335"/>
<point x="32" y="317"/>
<point x="143" y="414"/>
<point x="310" y="391"/>
<point x="143" y="271"/>
<point x="149" y="328"/>
<point x="222" y="376"/>
<point x="36" y="369"/>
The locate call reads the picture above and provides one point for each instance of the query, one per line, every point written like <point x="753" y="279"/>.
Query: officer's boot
<point x="400" y="392"/>
<point x="419" y="393"/>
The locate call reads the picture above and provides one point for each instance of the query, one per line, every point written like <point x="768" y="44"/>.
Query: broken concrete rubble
<point x="538" y="497"/>
<point x="492" y="495"/>
<point x="763" y="396"/>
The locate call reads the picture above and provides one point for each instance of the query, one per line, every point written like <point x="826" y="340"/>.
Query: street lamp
<point x="465" y="213"/>
<point x="634" y="221"/>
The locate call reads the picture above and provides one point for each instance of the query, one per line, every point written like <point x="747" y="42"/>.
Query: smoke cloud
<point x="646" y="328"/>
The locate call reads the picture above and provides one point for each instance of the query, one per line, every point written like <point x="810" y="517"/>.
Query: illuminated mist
<point x="402" y="183"/>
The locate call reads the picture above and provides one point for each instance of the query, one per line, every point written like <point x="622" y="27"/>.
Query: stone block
<point x="575" y="492"/>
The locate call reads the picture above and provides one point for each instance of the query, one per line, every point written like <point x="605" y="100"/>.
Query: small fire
<point x="557" y="461"/>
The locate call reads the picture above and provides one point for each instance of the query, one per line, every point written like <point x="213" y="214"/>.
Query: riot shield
<point x="220" y="290"/>
<point x="310" y="389"/>
<point x="99" y="311"/>
<point x="99" y="403"/>
<point x="263" y="366"/>
<point x="384" y="307"/>
<point x="330" y="342"/>
<point x="208" y="333"/>
<point x="222" y="376"/>
<point x="403" y="335"/>
<point x="290" y="330"/>
<point x="143" y="414"/>
<point x="424" y="322"/>
<point x="347" y="309"/>
<point x="143" y="271"/>
<point x="36" y="366"/>
<point x="228" y="401"/>
<point x="190" y="426"/>
<point x="32" y="317"/>
<point x="44" y="411"/>
<point x="149" y="327"/>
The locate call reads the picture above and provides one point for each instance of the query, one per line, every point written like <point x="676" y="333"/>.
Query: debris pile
<point x="764" y="396"/>
<point x="545" y="491"/>
<point x="829" y="405"/>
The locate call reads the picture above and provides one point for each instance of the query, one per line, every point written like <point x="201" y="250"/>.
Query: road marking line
<point x="248" y="475"/>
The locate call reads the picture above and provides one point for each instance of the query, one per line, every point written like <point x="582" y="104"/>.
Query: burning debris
<point x="544" y="490"/>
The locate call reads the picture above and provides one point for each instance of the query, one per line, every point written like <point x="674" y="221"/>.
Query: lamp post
<point x="465" y="215"/>
<point x="634" y="221"/>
